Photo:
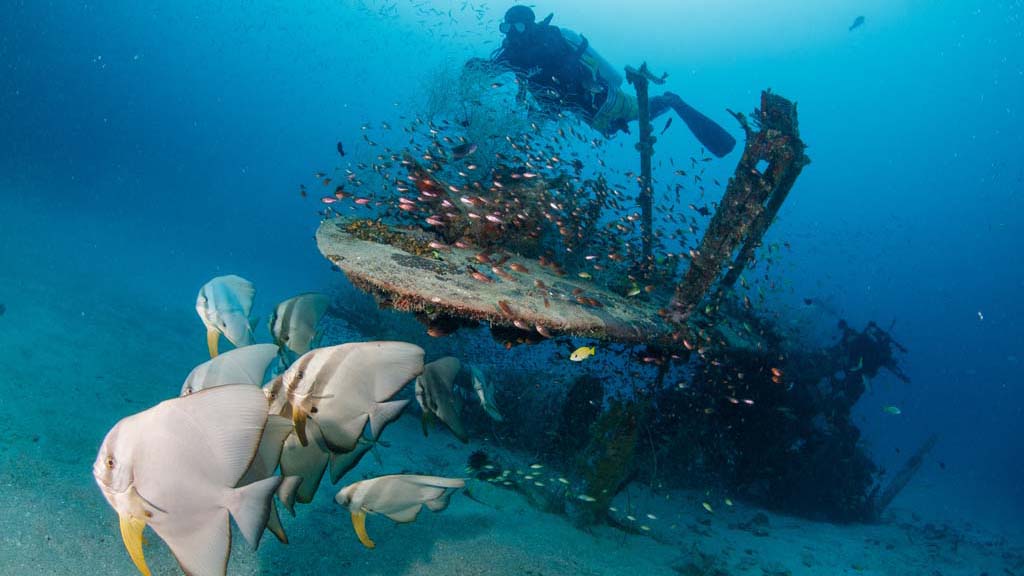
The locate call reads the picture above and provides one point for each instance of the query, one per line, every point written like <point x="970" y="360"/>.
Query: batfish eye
<point x="110" y="463"/>
<point x="299" y="374"/>
<point x="313" y="410"/>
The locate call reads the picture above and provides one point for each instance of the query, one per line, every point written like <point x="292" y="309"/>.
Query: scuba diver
<point x="873" y="348"/>
<point x="561" y="70"/>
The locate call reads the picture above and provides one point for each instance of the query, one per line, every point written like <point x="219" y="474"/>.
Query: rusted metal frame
<point x="750" y="203"/>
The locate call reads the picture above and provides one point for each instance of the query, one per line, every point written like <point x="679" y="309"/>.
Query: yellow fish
<point x="895" y="411"/>
<point x="582" y="353"/>
<point x="707" y="507"/>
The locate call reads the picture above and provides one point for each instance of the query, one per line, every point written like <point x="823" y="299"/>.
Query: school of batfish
<point x="231" y="442"/>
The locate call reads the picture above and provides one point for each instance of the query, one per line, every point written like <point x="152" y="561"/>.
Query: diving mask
<point x="519" y="27"/>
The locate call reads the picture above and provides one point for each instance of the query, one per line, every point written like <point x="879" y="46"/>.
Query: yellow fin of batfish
<point x="131" y="533"/>
<point x="359" y="523"/>
<point x="299" y="419"/>
<point x="212" y="336"/>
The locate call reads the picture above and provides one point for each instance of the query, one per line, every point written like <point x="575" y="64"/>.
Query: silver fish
<point x="399" y="497"/>
<point x="485" y="393"/>
<point x="177" y="468"/>
<point x="224" y="305"/>
<point x="310" y="461"/>
<point x="435" y="394"/>
<point x="293" y="322"/>
<point x="343" y="387"/>
<point x="305" y="461"/>
<point x="246" y="365"/>
<point x="341" y="463"/>
<point x="263" y="465"/>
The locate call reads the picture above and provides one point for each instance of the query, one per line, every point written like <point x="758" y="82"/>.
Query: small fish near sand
<point x="206" y="442"/>
<point x="400" y="497"/>
<point x="224" y="305"/>
<point x="582" y="353"/>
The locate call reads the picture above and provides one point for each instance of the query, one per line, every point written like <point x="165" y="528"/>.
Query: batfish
<point x="342" y="387"/>
<point x="224" y="305"/>
<point x="245" y="365"/>
<point x="485" y="393"/>
<point x="310" y="461"/>
<point x="399" y="497"/>
<point x="293" y="323"/>
<point x="177" y="468"/>
<point x="434" y="392"/>
<point x="263" y="465"/>
<point x="307" y="461"/>
<point x="340" y="464"/>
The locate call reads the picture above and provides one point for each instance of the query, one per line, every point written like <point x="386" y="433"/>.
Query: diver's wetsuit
<point x="555" y="73"/>
<point x="551" y="67"/>
<point x="558" y="78"/>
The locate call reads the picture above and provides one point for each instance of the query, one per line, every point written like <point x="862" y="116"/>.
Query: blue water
<point x="150" y="146"/>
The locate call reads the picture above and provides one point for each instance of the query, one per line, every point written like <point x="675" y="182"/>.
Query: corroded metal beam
<point x="640" y="79"/>
<point x="750" y="203"/>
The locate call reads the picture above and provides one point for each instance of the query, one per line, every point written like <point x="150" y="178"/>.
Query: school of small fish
<point x="468" y="194"/>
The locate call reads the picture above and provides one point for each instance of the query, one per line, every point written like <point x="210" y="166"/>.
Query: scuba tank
<point x="598" y="66"/>
<point x="618" y="107"/>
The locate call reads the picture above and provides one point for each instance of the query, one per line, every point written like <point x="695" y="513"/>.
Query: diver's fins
<point x="706" y="130"/>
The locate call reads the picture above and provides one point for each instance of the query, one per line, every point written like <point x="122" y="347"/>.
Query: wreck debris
<point x="508" y="248"/>
<point x="640" y="80"/>
<point x="398" y="268"/>
<point x="903" y="477"/>
<point x="751" y="201"/>
<point x="607" y="460"/>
